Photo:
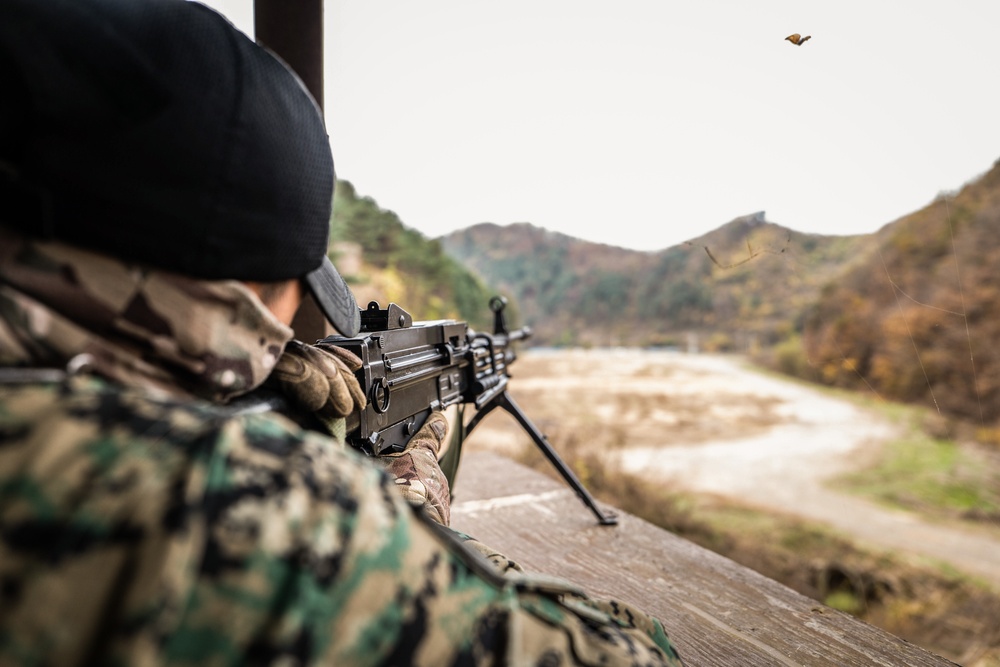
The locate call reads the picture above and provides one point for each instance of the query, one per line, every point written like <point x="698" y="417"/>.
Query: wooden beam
<point x="294" y="31"/>
<point x="716" y="611"/>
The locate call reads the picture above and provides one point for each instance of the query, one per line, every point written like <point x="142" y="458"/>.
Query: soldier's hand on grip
<point x="417" y="472"/>
<point x="319" y="380"/>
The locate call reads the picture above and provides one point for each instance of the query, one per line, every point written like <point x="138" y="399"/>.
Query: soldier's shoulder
<point x="91" y="405"/>
<point x="105" y="404"/>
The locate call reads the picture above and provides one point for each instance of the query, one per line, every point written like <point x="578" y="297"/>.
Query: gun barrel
<point x="520" y="334"/>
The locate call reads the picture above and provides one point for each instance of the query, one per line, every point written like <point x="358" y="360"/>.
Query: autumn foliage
<point x="917" y="320"/>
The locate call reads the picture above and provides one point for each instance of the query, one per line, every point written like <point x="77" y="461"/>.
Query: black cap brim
<point x="334" y="298"/>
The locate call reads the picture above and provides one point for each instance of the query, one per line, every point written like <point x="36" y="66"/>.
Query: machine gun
<point x="410" y="369"/>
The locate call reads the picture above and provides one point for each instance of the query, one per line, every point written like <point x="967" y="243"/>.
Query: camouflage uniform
<point x="143" y="525"/>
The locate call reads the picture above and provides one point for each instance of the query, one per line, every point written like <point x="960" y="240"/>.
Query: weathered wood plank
<point x="716" y="611"/>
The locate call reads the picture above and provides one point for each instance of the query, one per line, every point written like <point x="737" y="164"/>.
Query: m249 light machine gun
<point x="410" y="369"/>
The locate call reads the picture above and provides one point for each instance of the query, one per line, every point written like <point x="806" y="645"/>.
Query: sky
<point x="645" y="123"/>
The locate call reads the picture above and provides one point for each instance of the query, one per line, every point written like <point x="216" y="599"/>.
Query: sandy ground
<point x="709" y="423"/>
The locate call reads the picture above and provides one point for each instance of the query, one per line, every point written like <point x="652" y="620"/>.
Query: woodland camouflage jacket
<point x="141" y="524"/>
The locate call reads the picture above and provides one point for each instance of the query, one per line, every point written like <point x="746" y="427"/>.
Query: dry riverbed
<point x="712" y="424"/>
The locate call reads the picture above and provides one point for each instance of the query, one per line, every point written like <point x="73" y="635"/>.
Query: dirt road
<point x="710" y="424"/>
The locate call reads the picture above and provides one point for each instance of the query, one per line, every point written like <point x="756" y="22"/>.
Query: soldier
<point x="165" y="192"/>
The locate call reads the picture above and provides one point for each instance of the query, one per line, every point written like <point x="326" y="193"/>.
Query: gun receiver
<point x="410" y="369"/>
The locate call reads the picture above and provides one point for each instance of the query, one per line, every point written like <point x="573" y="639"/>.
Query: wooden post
<point x="294" y="31"/>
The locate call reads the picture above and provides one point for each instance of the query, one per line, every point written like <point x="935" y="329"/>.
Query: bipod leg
<point x="504" y="400"/>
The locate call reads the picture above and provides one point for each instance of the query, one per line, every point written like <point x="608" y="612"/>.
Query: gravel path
<point x="784" y="468"/>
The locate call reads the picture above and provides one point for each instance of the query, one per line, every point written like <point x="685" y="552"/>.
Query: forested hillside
<point x="919" y="318"/>
<point x="384" y="260"/>
<point x="741" y="286"/>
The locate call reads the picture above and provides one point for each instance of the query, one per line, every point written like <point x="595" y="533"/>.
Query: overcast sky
<point x="644" y="123"/>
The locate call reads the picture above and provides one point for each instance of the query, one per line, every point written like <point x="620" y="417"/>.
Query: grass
<point x="940" y="478"/>
<point x="936" y="475"/>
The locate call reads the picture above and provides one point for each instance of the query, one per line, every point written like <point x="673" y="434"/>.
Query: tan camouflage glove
<point x="417" y="472"/>
<point x="319" y="380"/>
<point x="502" y="563"/>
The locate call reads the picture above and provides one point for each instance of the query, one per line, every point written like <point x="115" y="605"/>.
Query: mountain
<point x="742" y="285"/>
<point x="919" y="317"/>
<point x="908" y="313"/>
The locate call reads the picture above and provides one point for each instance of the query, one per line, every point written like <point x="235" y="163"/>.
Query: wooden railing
<point x="716" y="611"/>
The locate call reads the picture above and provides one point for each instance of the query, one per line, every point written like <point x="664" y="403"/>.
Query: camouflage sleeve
<point x="144" y="532"/>
<point x="501" y="562"/>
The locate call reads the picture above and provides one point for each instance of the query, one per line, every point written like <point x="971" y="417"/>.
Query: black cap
<point x="157" y="132"/>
